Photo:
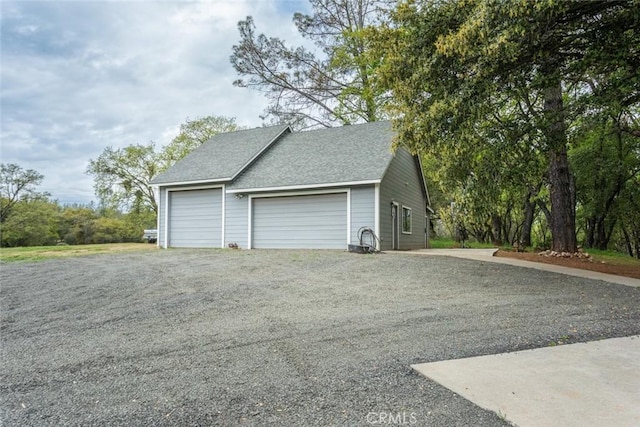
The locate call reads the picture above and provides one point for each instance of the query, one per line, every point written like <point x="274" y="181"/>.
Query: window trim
<point x="410" y="220"/>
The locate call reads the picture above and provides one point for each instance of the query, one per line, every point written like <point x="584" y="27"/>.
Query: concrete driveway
<point x="204" y="337"/>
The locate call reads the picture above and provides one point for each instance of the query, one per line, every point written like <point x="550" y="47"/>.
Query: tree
<point x="122" y="176"/>
<point x="495" y="183"/>
<point x="307" y="90"/>
<point x="33" y="222"/>
<point x="16" y="183"/>
<point x="75" y="226"/>
<point x="194" y="133"/>
<point x="114" y="230"/>
<point x="629" y="225"/>
<point x="454" y="64"/>
<point x="605" y="159"/>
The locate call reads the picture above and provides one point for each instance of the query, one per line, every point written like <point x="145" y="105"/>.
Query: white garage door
<point x="309" y="222"/>
<point x="195" y="218"/>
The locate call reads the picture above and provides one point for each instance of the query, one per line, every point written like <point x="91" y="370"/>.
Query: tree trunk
<point x="563" y="214"/>
<point x="627" y="240"/>
<point x="563" y="221"/>
<point x="545" y="210"/>
<point x="600" y="233"/>
<point x="603" y="234"/>
<point x="507" y="228"/>
<point x="527" y="225"/>
<point x="496" y="224"/>
<point x="590" y="237"/>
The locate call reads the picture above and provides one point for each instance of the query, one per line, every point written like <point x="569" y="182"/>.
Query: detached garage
<point x="274" y="188"/>
<point x="311" y="221"/>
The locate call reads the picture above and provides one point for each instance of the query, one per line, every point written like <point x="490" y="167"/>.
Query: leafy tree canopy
<point x="32" y="222"/>
<point x="122" y="176"/>
<point x="16" y="183"/>
<point x="457" y="68"/>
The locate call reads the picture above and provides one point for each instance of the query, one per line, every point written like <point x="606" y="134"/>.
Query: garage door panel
<point x="195" y="218"/>
<point x="196" y="215"/>
<point x="298" y="223"/>
<point x="290" y="206"/>
<point x="194" y="209"/>
<point x="294" y="234"/>
<point x="314" y="221"/>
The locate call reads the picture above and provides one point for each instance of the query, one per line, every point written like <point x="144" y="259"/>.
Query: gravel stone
<point x="228" y="337"/>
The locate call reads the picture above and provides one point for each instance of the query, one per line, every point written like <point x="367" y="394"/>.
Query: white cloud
<point x="77" y="77"/>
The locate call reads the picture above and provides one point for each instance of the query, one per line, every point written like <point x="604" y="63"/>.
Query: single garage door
<point x="195" y="218"/>
<point x="314" y="221"/>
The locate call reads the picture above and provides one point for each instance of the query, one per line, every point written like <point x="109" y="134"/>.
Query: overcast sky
<point x="78" y="76"/>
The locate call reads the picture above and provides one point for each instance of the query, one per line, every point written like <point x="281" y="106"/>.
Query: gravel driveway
<point x="221" y="337"/>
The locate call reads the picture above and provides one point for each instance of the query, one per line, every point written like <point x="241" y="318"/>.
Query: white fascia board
<point x="197" y="187"/>
<point x="303" y="187"/>
<point x="201" y="181"/>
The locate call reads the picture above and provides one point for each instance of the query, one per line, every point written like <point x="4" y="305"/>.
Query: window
<point x="406" y="220"/>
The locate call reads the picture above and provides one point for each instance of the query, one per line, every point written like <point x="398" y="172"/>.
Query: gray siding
<point x="310" y="221"/>
<point x="195" y="218"/>
<point x="402" y="184"/>
<point x="237" y="220"/>
<point x="362" y="210"/>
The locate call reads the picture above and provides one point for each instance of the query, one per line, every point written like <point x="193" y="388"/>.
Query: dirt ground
<point x="627" y="270"/>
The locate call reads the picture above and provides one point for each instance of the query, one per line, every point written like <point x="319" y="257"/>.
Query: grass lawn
<point x="613" y="257"/>
<point x="39" y="253"/>
<point x="451" y="244"/>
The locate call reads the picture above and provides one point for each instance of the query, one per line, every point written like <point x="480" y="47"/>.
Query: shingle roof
<point x="344" y="154"/>
<point x="222" y="157"/>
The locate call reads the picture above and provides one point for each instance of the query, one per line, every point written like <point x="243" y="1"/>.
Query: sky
<point x="79" y="76"/>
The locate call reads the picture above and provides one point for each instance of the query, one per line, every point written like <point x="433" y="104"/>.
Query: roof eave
<point x="423" y="181"/>
<point x="193" y="182"/>
<point x="303" y="186"/>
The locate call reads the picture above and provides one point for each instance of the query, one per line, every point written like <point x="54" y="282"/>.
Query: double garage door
<point x="316" y="221"/>
<point x="307" y="222"/>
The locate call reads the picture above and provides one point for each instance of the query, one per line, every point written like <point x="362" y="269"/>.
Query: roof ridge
<point x="343" y="126"/>
<point x="250" y="129"/>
